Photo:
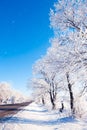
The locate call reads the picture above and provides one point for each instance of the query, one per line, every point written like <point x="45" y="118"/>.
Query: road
<point x="11" y="109"/>
<point x="30" y="117"/>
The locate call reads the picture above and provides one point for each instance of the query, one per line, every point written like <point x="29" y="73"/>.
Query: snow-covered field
<point x="36" y="117"/>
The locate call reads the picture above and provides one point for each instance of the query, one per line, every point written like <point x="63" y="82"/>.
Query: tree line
<point x="63" y="69"/>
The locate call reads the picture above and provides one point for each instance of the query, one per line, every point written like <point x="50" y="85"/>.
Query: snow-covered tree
<point x="62" y="59"/>
<point x="47" y="80"/>
<point x="69" y="21"/>
<point x="65" y="64"/>
<point x="69" y="15"/>
<point x="7" y="93"/>
<point x="40" y="89"/>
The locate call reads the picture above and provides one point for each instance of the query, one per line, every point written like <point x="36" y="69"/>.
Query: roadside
<point x="37" y="117"/>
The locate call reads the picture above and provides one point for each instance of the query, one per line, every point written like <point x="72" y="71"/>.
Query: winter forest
<point x="59" y="83"/>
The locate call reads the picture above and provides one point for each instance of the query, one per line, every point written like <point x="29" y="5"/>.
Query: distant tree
<point x="7" y="94"/>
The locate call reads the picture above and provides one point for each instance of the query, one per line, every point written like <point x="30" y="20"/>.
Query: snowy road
<point x="32" y="117"/>
<point x="36" y="117"/>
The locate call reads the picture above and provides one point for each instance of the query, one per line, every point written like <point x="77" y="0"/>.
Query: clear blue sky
<point x="24" y="37"/>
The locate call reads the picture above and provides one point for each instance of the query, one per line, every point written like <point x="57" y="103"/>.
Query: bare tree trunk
<point x="43" y="102"/>
<point x="71" y="95"/>
<point x="62" y="107"/>
<point x="52" y="100"/>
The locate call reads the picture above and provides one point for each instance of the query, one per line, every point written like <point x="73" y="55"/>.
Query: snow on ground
<point x="36" y="117"/>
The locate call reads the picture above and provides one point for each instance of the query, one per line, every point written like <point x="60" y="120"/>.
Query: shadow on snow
<point x="19" y="120"/>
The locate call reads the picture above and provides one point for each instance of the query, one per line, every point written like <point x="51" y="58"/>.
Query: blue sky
<point x="24" y="37"/>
